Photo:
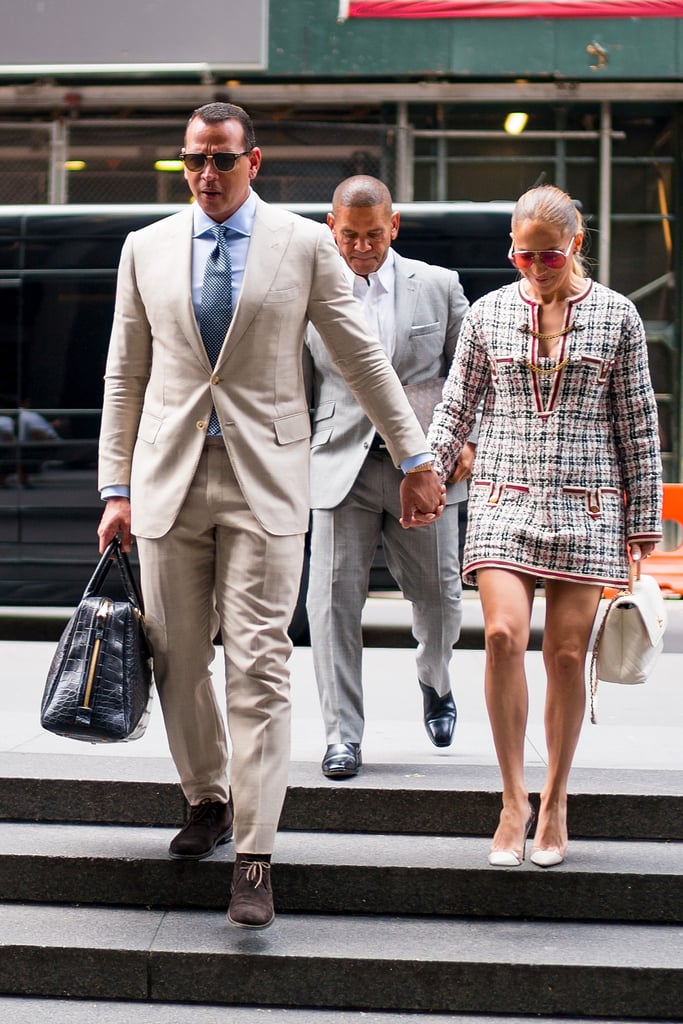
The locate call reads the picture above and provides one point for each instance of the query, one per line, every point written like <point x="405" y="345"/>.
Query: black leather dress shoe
<point x="342" y="760"/>
<point x="440" y="714"/>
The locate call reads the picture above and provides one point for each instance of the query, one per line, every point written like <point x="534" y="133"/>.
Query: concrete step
<point x="369" y="963"/>
<point x="18" y="1010"/>
<point x="397" y="799"/>
<point x="346" y="874"/>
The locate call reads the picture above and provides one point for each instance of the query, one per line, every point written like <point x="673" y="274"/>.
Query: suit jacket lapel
<point x="180" y="284"/>
<point x="267" y="246"/>
<point x="405" y="291"/>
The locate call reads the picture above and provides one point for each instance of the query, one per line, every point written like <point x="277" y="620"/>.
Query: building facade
<point x="418" y="101"/>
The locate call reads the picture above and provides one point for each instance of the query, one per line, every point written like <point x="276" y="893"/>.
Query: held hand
<point x="642" y="549"/>
<point x="423" y="499"/>
<point x="115" y="519"/>
<point x="463" y="467"/>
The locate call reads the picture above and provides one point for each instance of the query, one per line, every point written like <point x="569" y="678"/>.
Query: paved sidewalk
<point x="639" y="726"/>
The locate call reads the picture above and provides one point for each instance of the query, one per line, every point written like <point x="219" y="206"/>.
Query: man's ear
<point x="330" y="222"/>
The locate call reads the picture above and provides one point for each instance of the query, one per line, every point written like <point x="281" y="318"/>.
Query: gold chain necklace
<point x="542" y="370"/>
<point x="540" y="336"/>
<point x="549" y="336"/>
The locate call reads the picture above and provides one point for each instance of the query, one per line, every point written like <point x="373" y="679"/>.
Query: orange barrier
<point x="667" y="566"/>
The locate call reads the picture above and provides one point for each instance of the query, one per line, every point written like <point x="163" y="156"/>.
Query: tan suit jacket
<point x="160" y="387"/>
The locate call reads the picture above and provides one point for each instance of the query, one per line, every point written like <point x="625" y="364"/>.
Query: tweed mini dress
<point x="567" y="466"/>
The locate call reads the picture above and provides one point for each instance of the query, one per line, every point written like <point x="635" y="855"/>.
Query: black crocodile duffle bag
<point x="99" y="686"/>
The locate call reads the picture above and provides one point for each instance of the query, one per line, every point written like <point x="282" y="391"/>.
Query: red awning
<point x="510" y="9"/>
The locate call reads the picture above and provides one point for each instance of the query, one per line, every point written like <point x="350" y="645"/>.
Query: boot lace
<point x="256" y="871"/>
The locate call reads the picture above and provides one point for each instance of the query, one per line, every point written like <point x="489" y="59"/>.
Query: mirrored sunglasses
<point x="221" y="161"/>
<point x="554" y="259"/>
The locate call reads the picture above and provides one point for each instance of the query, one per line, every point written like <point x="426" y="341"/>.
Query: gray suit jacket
<point x="160" y="387"/>
<point x="430" y="305"/>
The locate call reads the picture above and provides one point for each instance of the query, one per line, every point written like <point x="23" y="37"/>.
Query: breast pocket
<point x="419" y="330"/>
<point x="279" y="295"/>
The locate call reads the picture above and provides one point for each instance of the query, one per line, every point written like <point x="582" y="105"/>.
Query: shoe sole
<point x="440" y="743"/>
<point x="251" y="927"/>
<point x="343" y="773"/>
<point x="207" y="853"/>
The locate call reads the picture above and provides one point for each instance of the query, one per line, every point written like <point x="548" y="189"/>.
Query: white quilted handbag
<point x="631" y="636"/>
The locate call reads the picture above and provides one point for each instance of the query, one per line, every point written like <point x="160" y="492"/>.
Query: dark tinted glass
<point x="10" y="251"/>
<point x="80" y="241"/>
<point x="57" y="285"/>
<point x="468" y="239"/>
<point x="65" y="328"/>
<point x="9" y="339"/>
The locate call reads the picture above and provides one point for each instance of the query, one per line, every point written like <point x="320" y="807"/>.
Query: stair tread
<point x="61" y="1011"/>
<point x="414" y="777"/>
<point x="131" y="843"/>
<point x="378" y="938"/>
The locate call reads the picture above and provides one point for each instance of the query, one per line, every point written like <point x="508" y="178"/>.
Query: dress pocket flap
<point x="324" y="411"/>
<point x="148" y="427"/>
<point x="320" y="437"/>
<point x="293" y="428"/>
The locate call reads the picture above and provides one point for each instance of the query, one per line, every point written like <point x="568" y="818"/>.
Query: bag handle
<point x="633" y="574"/>
<point x="113" y="553"/>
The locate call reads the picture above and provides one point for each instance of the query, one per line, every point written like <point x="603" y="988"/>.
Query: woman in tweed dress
<point x="566" y="481"/>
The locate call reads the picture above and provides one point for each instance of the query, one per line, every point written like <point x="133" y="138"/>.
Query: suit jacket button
<point x="216" y="380"/>
<point x="200" y="424"/>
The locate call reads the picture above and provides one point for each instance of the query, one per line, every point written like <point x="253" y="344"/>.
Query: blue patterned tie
<point x="215" y="312"/>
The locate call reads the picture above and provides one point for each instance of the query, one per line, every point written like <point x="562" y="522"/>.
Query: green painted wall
<point x="307" y="41"/>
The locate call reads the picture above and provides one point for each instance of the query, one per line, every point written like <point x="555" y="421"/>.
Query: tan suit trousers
<point x="218" y="567"/>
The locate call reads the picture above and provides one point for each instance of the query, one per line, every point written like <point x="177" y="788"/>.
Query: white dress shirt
<point x="376" y="292"/>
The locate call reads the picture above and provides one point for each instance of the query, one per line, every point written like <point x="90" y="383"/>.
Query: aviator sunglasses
<point x="554" y="259"/>
<point x="222" y="161"/>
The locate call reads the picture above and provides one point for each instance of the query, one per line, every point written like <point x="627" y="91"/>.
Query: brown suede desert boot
<point x="251" y="904"/>
<point x="209" y="824"/>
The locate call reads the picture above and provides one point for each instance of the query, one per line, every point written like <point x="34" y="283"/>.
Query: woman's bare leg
<point x="570" y="611"/>
<point x="506" y="599"/>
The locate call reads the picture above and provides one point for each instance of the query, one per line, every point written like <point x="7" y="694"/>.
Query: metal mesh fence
<point x="114" y="161"/>
<point x="25" y="163"/>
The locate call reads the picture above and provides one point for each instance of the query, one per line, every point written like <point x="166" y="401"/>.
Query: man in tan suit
<point x="204" y="457"/>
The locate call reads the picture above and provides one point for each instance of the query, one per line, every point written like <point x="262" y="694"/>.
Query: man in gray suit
<point x="416" y="309"/>
<point x="204" y="457"/>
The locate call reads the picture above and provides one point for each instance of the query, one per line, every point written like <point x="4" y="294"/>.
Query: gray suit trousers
<point x="424" y="561"/>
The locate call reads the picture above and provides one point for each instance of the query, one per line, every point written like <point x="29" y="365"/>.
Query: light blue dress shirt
<point x="239" y="226"/>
